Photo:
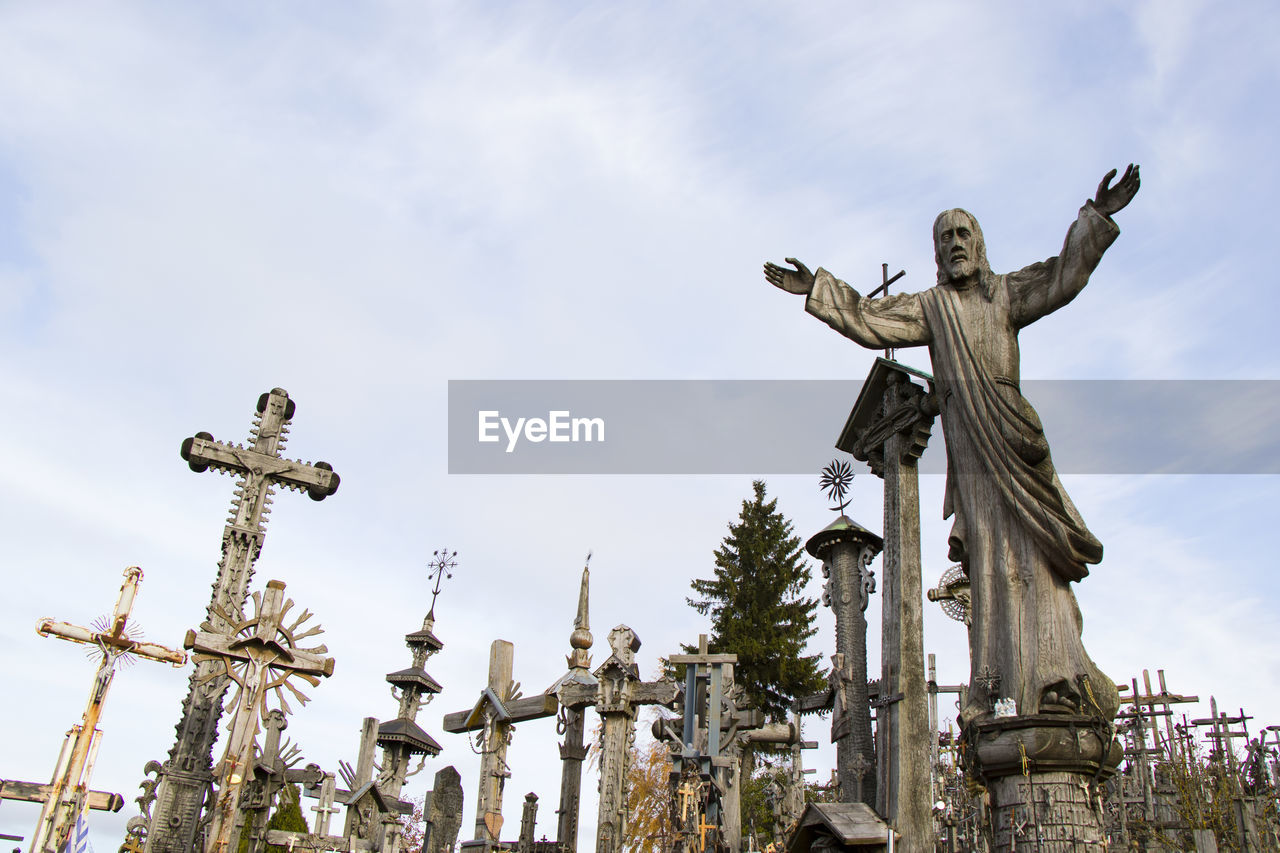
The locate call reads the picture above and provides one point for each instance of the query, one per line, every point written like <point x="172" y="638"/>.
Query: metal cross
<point x="69" y="791"/>
<point x="885" y="281"/>
<point x="989" y="680"/>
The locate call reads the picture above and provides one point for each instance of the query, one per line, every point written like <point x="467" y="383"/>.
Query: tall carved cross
<point x="259" y="654"/>
<point x="617" y="694"/>
<point x="68" y="793"/>
<point x="186" y="775"/>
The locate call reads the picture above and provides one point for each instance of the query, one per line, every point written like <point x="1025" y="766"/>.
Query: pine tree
<point x="758" y="610"/>
<point x="287" y="816"/>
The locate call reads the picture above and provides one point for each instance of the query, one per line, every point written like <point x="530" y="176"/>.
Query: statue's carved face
<point x="956" y="245"/>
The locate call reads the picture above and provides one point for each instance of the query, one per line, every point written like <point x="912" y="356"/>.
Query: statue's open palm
<point x="1111" y="199"/>
<point x="798" y="280"/>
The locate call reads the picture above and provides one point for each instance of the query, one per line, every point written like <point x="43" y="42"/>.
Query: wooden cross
<point x="180" y="791"/>
<point x="704" y="676"/>
<point x="260" y="469"/>
<point x="859" y="766"/>
<point x="1150" y="699"/>
<point x="269" y="775"/>
<point x="1221" y="733"/>
<point x="617" y="694"/>
<point x="69" y="792"/>
<point x="706" y="671"/>
<point x="934" y="689"/>
<point x="494" y="713"/>
<point x="325" y="809"/>
<point x="260" y="654"/>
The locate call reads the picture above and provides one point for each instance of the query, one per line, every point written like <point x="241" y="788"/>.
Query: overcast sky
<point x="358" y="203"/>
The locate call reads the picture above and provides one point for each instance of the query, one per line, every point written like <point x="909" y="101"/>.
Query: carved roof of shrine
<point x="407" y="732"/>
<point x="867" y="407"/>
<point x="852" y="824"/>
<point x="424" y="638"/>
<point x="842" y="529"/>
<point x="414" y="676"/>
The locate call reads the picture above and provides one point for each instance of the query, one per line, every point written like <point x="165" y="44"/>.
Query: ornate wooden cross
<point x="186" y="775"/>
<point x="617" y="694"/>
<point x="68" y="793"/>
<point x="258" y="654"/>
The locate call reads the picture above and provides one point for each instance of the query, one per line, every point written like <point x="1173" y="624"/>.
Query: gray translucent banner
<point x="760" y="427"/>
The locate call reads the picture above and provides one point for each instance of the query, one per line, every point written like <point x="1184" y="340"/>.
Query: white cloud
<point x="359" y="207"/>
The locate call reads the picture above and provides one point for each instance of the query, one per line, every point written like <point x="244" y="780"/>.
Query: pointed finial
<point x="580" y="640"/>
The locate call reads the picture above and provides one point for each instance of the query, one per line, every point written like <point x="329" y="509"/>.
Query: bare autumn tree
<point x="649" y="800"/>
<point x="412" y="828"/>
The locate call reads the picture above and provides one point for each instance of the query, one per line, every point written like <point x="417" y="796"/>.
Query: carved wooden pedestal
<point x="1044" y="774"/>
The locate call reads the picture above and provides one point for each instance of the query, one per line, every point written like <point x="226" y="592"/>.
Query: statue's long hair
<point x="986" y="278"/>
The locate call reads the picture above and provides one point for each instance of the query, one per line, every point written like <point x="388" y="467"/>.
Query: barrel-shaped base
<point x="1043" y="773"/>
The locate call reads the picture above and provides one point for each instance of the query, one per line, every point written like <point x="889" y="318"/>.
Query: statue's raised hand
<point x="1111" y="199"/>
<point x="798" y="280"/>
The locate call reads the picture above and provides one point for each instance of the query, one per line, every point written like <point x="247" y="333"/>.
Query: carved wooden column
<point x="846" y="550"/>
<point x="618" y="700"/>
<point x="889" y="428"/>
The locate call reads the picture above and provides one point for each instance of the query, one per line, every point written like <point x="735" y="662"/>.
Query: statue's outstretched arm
<point x="1045" y="287"/>
<point x="892" y="321"/>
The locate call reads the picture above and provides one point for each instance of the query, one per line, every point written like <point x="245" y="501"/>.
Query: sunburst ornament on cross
<point x="835" y="481"/>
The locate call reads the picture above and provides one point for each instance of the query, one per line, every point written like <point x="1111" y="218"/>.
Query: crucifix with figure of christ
<point x="68" y="793"/>
<point x="494" y="715"/>
<point x="259" y="654"/>
<point x="185" y="777"/>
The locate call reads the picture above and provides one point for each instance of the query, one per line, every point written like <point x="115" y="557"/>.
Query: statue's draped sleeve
<point x="1045" y="287"/>
<point x="894" y="321"/>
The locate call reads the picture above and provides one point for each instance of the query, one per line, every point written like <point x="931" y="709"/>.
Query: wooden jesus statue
<point x="1016" y="533"/>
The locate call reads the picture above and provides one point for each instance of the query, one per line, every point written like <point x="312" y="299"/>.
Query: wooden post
<point x="846" y="550"/>
<point x="889" y="427"/>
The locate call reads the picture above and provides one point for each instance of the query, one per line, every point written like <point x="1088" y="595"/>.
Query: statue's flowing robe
<point x="1016" y="533"/>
